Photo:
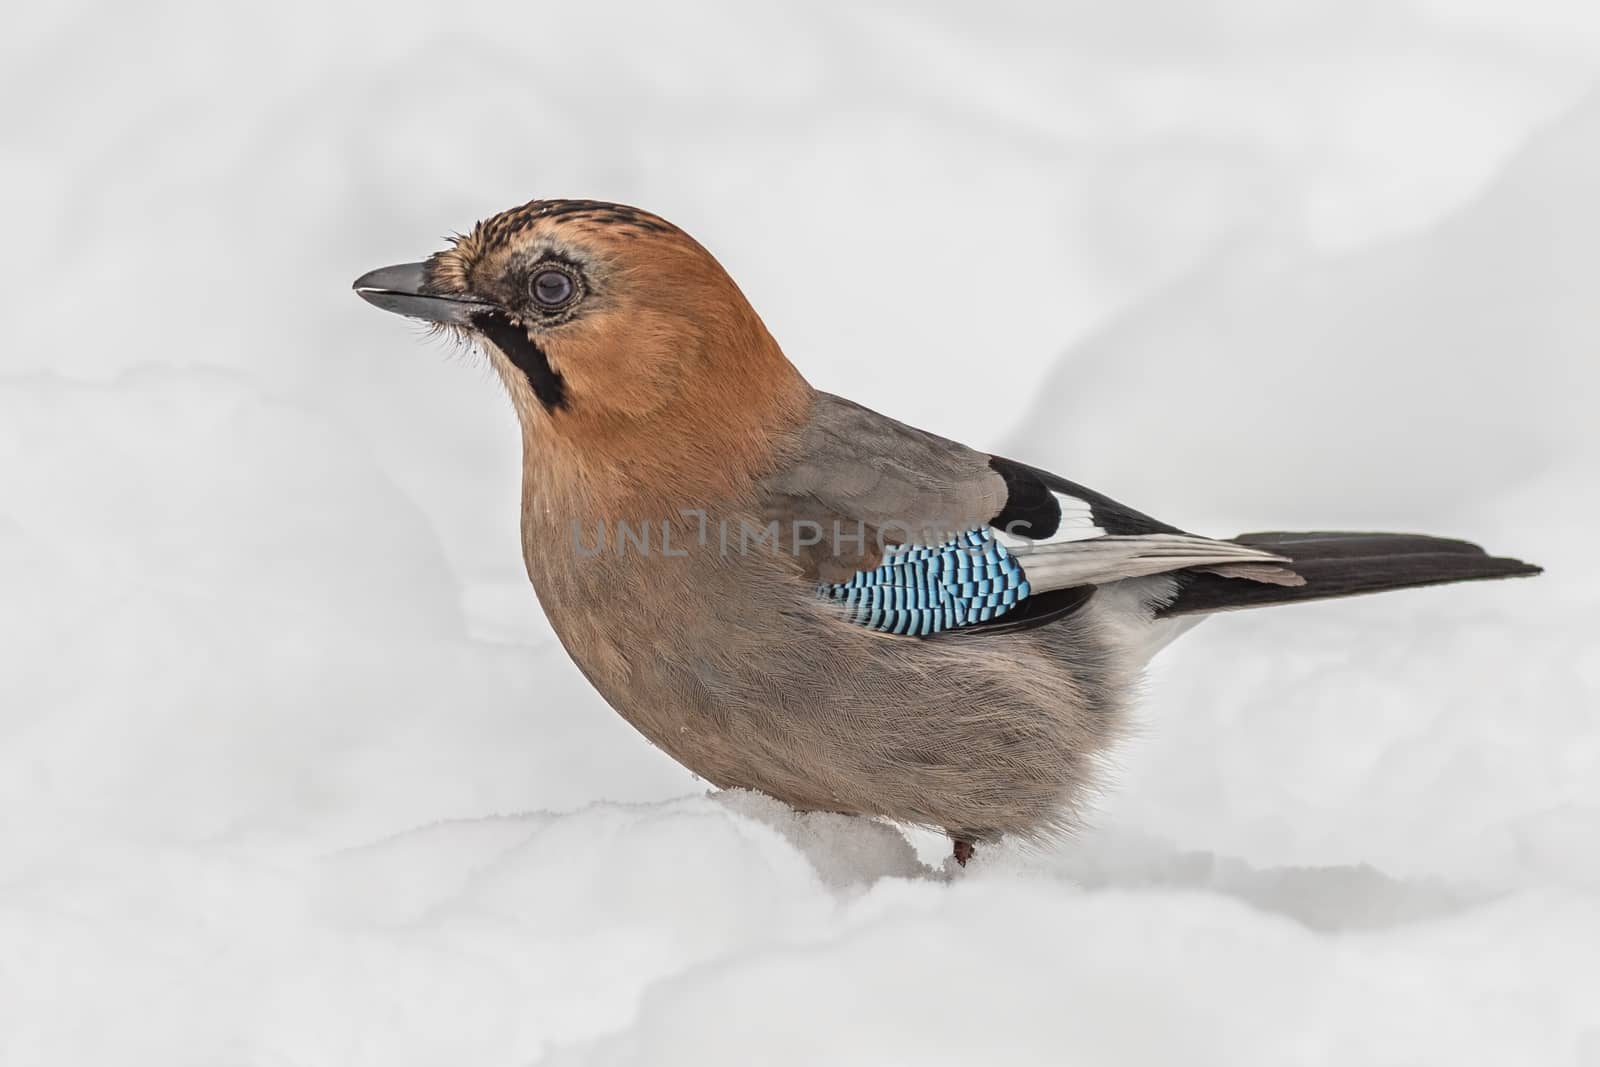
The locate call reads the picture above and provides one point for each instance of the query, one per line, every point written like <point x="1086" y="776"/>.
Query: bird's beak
<point x="399" y="289"/>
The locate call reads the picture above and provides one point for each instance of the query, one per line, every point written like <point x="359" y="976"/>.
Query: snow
<point x="294" y="774"/>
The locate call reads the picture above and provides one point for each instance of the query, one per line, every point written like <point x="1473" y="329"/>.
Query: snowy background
<point x="292" y="772"/>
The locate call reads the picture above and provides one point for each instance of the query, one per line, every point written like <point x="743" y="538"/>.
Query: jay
<point x="791" y="593"/>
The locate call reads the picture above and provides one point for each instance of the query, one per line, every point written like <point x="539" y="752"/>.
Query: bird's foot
<point x="963" y="851"/>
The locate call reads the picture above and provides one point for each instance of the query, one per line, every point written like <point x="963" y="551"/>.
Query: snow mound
<point x="1427" y="378"/>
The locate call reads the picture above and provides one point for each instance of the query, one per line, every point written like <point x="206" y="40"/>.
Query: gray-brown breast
<point x="736" y="666"/>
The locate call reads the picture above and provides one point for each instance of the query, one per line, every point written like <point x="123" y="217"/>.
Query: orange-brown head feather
<point x="664" y="383"/>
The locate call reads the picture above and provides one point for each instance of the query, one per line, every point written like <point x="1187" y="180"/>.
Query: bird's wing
<point x="916" y="534"/>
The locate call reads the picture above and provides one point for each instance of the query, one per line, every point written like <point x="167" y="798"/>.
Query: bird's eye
<point x="551" y="288"/>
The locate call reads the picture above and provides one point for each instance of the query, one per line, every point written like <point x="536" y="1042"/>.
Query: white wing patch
<point x="1077" y="524"/>
<point x="1098" y="560"/>
<point x="1081" y="552"/>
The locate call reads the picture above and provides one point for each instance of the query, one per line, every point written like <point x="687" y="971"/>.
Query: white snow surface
<point x="293" y="773"/>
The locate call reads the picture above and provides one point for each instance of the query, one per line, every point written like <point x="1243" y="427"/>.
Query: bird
<point x="791" y="593"/>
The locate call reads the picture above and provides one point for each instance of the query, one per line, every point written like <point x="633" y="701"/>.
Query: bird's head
<point x="611" y="328"/>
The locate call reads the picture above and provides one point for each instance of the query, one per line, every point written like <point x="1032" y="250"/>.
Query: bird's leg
<point x="963" y="850"/>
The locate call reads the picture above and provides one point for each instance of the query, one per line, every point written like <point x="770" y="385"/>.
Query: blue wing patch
<point x="921" y="590"/>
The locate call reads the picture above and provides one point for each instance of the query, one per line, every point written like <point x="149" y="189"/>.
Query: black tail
<point x="1344" y="564"/>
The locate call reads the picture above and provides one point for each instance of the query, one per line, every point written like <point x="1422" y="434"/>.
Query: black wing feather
<point x="1032" y="511"/>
